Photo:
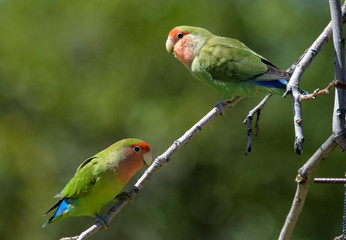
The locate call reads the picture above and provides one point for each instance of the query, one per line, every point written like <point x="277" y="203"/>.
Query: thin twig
<point x="338" y="237"/>
<point x="334" y="83"/>
<point x="330" y="180"/>
<point x="337" y="181"/>
<point x="248" y="120"/>
<point x="339" y="62"/>
<point x="159" y="161"/>
<point x="302" y="179"/>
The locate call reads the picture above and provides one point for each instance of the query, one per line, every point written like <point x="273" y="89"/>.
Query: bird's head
<point x="174" y="36"/>
<point x="143" y="149"/>
<point x="185" y="42"/>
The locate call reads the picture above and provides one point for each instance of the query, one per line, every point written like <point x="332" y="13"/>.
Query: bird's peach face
<point x="174" y="36"/>
<point x="143" y="149"/>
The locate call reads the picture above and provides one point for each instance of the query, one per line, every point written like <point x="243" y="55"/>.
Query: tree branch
<point x="334" y="83"/>
<point x="293" y="85"/>
<point x="248" y="120"/>
<point x="338" y="237"/>
<point x="159" y="161"/>
<point x="339" y="62"/>
<point x="302" y="179"/>
<point x="313" y="163"/>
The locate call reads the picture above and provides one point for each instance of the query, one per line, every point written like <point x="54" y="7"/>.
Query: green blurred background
<point x="76" y="76"/>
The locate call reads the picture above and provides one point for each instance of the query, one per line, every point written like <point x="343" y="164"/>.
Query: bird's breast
<point x="183" y="51"/>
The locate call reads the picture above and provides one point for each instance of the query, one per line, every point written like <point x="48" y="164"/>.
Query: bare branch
<point x="248" y="120"/>
<point x="304" y="173"/>
<point x="293" y="85"/>
<point x="334" y="83"/>
<point x="323" y="38"/>
<point x="302" y="179"/>
<point x="330" y="180"/>
<point x="159" y="161"/>
<point x="338" y="237"/>
<point x="339" y="62"/>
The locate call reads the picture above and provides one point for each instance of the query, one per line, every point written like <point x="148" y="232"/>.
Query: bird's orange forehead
<point x="174" y="32"/>
<point x="143" y="145"/>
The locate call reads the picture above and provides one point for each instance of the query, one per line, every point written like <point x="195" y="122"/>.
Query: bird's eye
<point x="180" y="35"/>
<point x="136" y="149"/>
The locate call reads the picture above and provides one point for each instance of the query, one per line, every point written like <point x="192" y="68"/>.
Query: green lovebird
<point x="100" y="178"/>
<point x="225" y="64"/>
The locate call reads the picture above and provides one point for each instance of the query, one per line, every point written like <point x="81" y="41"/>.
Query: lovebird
<point x="100" y="178"/>
<point x="225" y="64"/>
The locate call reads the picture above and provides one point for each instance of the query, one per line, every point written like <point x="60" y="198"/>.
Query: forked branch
<point x="299" y="69"/>
<point x="304" y="174"/>
<point x="334" y="83"/>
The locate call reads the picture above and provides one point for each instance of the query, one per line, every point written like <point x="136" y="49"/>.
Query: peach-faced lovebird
<point x="100" y="178"/>
<point x="225" y="64"/>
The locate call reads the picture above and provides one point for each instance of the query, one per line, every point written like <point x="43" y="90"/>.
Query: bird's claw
<point x="102" y="221"/>
<point x="221" y="106"/>
<point x="226" y="103"/>
<point x="124" y="195"/>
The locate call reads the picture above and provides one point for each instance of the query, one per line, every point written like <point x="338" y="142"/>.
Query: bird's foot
<point x="123" y="195"/>
<point x="221" y="105"/>
<point x="226" y="103"/>
<point x="102" y="221"/>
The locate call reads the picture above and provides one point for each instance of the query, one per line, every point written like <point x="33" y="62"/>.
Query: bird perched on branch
<point x="225" y="64"/>
<point x="100" y="178"/>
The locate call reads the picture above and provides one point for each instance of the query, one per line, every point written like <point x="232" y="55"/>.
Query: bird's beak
<point x="147" y="158"/>
<point x="169" y="45"/>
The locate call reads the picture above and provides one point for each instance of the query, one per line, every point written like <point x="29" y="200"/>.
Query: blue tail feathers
<point x="280" y="84"/>
<point x="63" y="206"/>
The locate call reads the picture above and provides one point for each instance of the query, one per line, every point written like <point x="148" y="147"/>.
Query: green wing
<point x="83" y="180"/>
<point x="227" y="59"/>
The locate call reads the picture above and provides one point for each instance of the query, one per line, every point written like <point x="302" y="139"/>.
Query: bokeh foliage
<point x="76" y="76"/>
